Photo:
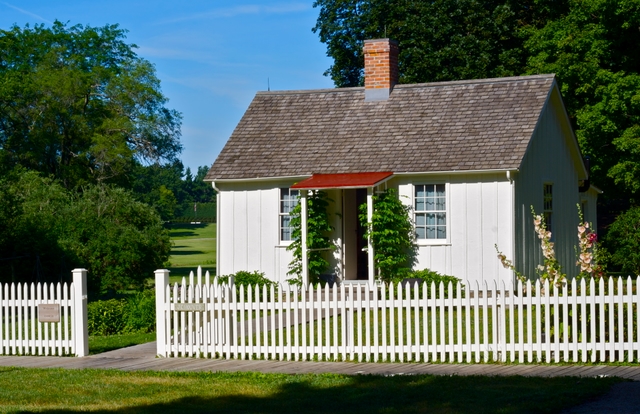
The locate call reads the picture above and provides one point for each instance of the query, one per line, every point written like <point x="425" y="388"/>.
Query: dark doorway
<point x="363" y="257"/>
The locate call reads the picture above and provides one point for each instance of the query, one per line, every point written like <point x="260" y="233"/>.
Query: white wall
<point x="552" y="157"/>
<point x="479" y="216"/>
<point x="249" y="229"/>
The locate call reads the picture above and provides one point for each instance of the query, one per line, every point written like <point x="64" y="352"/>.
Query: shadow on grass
<point x="376" y="394"/>
<point x="185" y="252"/>
<point x="175" y="272"/>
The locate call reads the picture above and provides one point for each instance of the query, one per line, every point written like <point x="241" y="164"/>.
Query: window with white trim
<point x="430" y="209"/>
<point x="288" y="200"/>
<point x="548" y="205"/>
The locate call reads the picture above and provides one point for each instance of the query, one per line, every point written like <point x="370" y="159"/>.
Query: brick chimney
<point x="380" y="68"/>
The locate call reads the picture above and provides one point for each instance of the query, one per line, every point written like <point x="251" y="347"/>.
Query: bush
<point x="253" y="279"/>
<point x="431" y="276"/>
<point x="106" y="317"/>
<point x="118" y="316"/>
<point x="623" y="240"/>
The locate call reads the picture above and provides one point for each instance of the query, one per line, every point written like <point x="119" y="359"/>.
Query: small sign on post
<point x="190" y="307"/>
<point x="48" y="312"/>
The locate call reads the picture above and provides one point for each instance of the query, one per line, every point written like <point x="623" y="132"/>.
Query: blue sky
<point x="211" y="56"/>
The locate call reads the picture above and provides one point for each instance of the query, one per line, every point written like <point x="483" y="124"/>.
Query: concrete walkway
<point x="142" y="358"/>
<point x="623" y="398"/>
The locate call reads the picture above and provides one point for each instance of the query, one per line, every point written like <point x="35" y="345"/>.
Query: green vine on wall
<point x="392" y="236"/>
<point x="318" y="238"/>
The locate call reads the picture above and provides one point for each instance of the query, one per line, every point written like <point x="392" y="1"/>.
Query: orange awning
<point x="348" y="180"/>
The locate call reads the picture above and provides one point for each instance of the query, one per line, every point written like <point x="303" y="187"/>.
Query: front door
<point x="355" y="259"/>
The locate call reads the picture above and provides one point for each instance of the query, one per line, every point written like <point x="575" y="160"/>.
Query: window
<point x="288" y="200"/>
<point x="548" y="205"/>
<point x="430" y="212"/>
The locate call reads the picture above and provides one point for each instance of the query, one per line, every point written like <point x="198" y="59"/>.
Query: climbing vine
<point x="318" y="238"/>
<point x="392" y="236"/>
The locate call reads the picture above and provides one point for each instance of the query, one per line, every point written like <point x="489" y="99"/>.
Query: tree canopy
<point x="591" y="45"/>
<point x="47" y="230"/>
<point x="439" y="40"/>
<point x="77" y="104"/>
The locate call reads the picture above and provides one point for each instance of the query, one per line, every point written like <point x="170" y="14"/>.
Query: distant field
<point x="193" y="245"/>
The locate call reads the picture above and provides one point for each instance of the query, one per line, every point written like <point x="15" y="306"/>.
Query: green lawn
<point x="193" y="245"/>
<point x="100" y="344"/>
<point x="110" y="391"/>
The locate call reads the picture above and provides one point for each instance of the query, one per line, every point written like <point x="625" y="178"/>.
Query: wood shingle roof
<point x="448" y="126"/>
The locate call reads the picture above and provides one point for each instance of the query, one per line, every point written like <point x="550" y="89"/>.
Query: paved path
<point x="142" y="358"/>
<point x="623" y="398"/>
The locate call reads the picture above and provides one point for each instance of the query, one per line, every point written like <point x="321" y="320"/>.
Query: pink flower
<point x="593" y="237"/>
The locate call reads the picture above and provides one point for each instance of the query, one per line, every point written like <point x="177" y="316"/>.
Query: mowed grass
<point x="193" y="245"/>
<point x="58" y="390"/>
<point x="100" y="344"/>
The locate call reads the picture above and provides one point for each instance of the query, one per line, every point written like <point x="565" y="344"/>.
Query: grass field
<point x="100" y="344"/>
<point x="193" y="245"/>
<point x="107" y="391"/>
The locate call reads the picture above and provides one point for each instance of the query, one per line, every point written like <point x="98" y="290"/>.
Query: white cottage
<point x="470" y="158"/>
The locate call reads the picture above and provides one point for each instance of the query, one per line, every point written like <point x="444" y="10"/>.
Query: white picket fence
<point x="581" y="321"/>
<point x="28" y="314"/>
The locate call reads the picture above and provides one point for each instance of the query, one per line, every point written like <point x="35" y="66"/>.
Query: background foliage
<point x="48" y="230"/>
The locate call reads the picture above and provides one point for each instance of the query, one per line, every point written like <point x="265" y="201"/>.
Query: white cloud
<point x="28" y="13"/>
<point x="255" y="9"/>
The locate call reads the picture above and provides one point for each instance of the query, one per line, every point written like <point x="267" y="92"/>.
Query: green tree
<point x="78" y="104"/>
<point x="392" y="236"/>
<point x="593" y="52"/>
<point x="47" y="230"/>
<point x="623" y="240"/>
<point x="439" y="40"/>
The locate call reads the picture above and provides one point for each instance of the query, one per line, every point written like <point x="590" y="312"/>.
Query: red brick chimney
<point x="380" y="68"/>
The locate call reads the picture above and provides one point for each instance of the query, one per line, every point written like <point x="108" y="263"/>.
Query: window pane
<point x="420" y="205"/>
<point x="442" y="232"/>
<point x="440" y="204"/>
<point x="431" y="219"/>
<point x="421" y="220"/>
<point x="440" y="190"/>
<point x="431" y="233"/>
<point x="420" y="191"/>
<point x="420" y="233"/>
<point x="430" y="191"/>
<point x="441" y="219"/>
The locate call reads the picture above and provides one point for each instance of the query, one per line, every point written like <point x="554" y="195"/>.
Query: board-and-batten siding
<point x="480" y="215"/>
<point x="550" y="158"/>
<point x="249" y="231"/>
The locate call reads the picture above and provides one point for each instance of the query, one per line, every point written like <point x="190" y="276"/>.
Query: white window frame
<point x="284" y="209"/>
<point x="446" y="211"/>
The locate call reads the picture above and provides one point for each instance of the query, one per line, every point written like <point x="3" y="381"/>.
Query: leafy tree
<point x="392" y="236"/>
<point x="48" y="230"/>
<point x="593" y="52"/>
<point x="121" y="241"/>
<point x="623" y="239"/>
<point x="78" y="104"/>
<point x="318" y="238"/>
<point x="439" y="40"/>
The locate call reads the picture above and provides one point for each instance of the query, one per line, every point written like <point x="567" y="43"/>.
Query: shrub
<point x="118" y="316"/>
<point x="141" y="312"/>
<point x="431" y="276"/>
<point x="253" y="279"/>
<point x="623" y="240"/>
<point x="106" y="317"/>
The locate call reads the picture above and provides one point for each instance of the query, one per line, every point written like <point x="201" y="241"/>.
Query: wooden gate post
<point x="162" y="336"/>
<point x="80" y="329"/>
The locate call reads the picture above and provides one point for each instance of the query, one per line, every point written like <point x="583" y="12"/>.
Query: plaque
<point x="48" y="312"/>
<point x="190" y="307"/>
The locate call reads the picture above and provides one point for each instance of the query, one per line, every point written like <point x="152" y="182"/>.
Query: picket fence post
<point x="162" y="282"/>
<point x="80" y="333"/>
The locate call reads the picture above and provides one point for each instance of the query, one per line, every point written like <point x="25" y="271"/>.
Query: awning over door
<point x="348" y="180"/>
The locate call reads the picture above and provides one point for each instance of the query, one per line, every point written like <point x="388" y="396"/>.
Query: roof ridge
<point x="414" y="85"/>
